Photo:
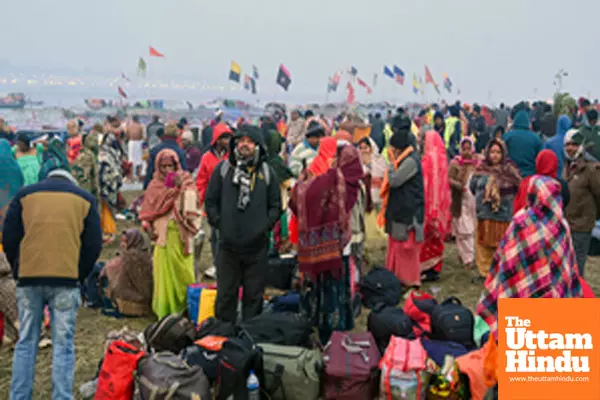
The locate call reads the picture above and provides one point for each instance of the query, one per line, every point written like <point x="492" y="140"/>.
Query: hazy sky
<point x="508" y="47"/>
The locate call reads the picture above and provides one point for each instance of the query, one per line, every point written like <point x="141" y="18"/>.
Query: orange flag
<point x="155" y="53"/>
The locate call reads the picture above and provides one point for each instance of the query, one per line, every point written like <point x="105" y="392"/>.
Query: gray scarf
<point x="243" y="178"/>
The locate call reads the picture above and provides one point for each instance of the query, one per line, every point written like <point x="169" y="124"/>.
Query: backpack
<point x="453" y="322"/>
<point x="292" y="373"/>
<point x="205" y="353"/>
<point x="237" y="358"/>
<point x="264" y="168"/>
<point x="403" y="370"/>
<point x="418" y="308"/>
<point x="385" y="322"/>
<point x="215" y="327"/>
<point x="280" y="272"/>
<point x="165" y="376"/>
<point x="115" y="381"/>
<point x="380" y="286"/>
<point x="286" y="329"/>
<point x="351" y="361"/>
<point x="289" y="302"/>
<point x="172" y="333"/>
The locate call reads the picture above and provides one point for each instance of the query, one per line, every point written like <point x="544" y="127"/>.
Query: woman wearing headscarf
<point x="54" y="157"/>
<point x="546" y="164"/>
<point x="85" y="166"/>
<point x="324" y="233"/>
<point x="375" y="166"/>
<point x="129" y="276"/>
<point x="463" y="202"/>
<point x="29" y="158"/>
<point x="171" y="214"/>
<point x="437" y="205"/>
<point x="583" y="178"/>
<point x="320" y="164"/>
<point x="494" y="184"/>
<point x="403" y="205"/>
<point x="537" y="259"/>
<point x="11" y="179"/>
<point x="284" y="175"/>
<point x="110" y="174"/>
<point x="557" y="142"/>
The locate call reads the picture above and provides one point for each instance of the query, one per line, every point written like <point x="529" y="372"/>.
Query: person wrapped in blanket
<point x="171" y="215"/>
<point x="324" y="235"/>
<point x="536" y="258"/>
<point x="129" y="276"/>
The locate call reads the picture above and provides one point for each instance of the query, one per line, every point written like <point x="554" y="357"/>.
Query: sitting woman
<point x="536" y="258"/>
<point x="171" y="215"/>
<point x="130" y="276"/>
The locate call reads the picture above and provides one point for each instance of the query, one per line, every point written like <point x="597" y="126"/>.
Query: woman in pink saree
<point x="437" y="205"/>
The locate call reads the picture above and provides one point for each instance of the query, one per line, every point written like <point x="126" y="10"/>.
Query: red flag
<point x="155" y="53"/>
<point x="429" y="77"/>
<point x="350" y="99"/>
<point x="122" y="92"/>
<point x="364" y="84"/>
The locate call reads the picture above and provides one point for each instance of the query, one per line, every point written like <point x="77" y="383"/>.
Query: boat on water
<point x="13" y="101"/>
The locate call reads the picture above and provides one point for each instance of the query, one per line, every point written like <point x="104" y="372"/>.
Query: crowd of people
<point x="517" y="189"/>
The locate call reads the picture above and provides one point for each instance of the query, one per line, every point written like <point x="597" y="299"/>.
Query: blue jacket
<point x="167" y="143"/>
<point x="557" y="142"/>
<point x="52" y="233"/>
<point x="523" y="145"/>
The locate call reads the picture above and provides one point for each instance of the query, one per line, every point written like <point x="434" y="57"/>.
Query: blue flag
<point x="388" y="72"/>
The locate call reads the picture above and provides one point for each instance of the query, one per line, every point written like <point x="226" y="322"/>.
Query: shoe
<point x="211" y="272"/>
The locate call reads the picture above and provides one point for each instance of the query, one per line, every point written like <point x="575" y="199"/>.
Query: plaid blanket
<point x="536" y="258"/>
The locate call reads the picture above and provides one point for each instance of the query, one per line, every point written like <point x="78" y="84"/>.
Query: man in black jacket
<point x="243" y="203"/>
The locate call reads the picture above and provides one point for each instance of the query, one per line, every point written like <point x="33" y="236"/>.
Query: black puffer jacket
<point x="244" y="231"/>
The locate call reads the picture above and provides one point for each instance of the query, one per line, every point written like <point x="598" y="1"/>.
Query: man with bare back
<point x="136" y="135"/>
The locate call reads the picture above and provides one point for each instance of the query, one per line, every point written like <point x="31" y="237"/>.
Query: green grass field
<point x="92" y="326"/>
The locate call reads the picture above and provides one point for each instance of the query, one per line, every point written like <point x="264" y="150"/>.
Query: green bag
<point x="480" y="328"/>
<point x="292" y="373"/>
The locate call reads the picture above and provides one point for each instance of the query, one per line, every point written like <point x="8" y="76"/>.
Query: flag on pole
<point x="330" y="85"/>
<point x="125" y="77"/>
<point x="246" y="82"/>
<point x="388" y="72"/>
<point x="284" y="79"/>
<point x="353" y="71"/>
<point x="155" y="53"/>
<point x="399" y="74"/>
<point x="447" y="83"/>
<point x="141" y="68"/>
<point x="254" y="72"/>
<point x="415" y="84"/>
<point x="253" y="85"/>
<point x="429" y="76"/>
<point x="350" y="99"/>
<point x="235" y="72"/>
<point x="364" y="84"/>
<point x="122" y="92"/>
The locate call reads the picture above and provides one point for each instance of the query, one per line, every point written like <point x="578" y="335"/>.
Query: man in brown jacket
<point x="583" y="210"/>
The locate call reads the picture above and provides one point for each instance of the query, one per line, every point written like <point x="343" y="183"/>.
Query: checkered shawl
<point x="535" y="258"/>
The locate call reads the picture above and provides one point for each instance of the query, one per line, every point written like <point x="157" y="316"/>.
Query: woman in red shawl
<point x="322" y="204"/>
<point x="546" y="164"/>
<point x="320" y="165"/>
<point x="171" y="215"/>
<point x="437" y="205"/>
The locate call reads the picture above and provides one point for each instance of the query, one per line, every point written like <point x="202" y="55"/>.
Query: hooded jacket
<point x="243" y="231"/>
<point x="556" y="143"/>
<point x="209" y="161"/>
<point x="523" y="145"/>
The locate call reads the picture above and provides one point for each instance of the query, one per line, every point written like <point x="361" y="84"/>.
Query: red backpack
<point x="115" y="381"/>
<point x="416" y="307"/>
